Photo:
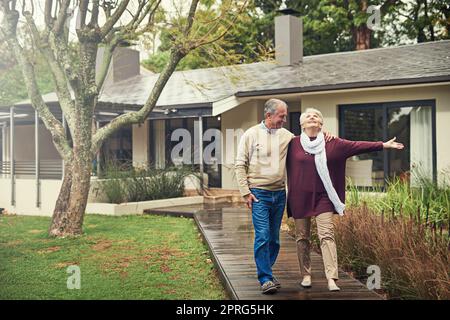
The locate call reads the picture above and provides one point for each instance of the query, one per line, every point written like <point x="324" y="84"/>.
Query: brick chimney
<point x="124" y="64"/>
<point x="288" y="38"/>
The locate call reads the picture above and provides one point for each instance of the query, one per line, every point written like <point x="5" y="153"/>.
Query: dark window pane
<point x="294" y="123"/>
<point x="119" y="147"/>
<point x="171" y="142"/>
<point x="213" y="166"/>
<point x="364" y="124"/>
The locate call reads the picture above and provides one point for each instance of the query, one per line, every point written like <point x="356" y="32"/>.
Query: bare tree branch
<point x="109" y="24"/>
<point x="117" y="34"/>
<point x="62" y="17"/>
<point x="48" y="14"/>
<point x="8" y="29"/>
<point x="82" y="12"/>
<point x="56" y="69"/>
<point x="109" y="48"/>
<point x="205" y="41"/>
<point x="140" y="14"/>
<point x="107" y="8"/>
<point x="24" y="7"/>
<point x="190" y="18"/>
<point x="94" y="14"/>
<point x="56" y="8"/>
<point x="149" y="14"/>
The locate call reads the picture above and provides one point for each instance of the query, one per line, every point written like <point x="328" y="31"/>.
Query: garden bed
<point x="130" y="208"/>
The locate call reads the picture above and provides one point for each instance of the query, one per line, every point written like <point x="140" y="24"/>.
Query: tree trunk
<point x="362" y="33"/>
<point x="71" y="204"/>
<point x="62" y="202"/>
<point x="428" y="21"/>
<point x="362" y="37"/>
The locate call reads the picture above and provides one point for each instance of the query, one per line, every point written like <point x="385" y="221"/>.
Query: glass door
<point x="411" y="122"/>
<point x="413" y="127"/>
<point x="212" y="146"/>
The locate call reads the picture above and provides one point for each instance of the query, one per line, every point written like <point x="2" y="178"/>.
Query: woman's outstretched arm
<point x="353" y="148"/>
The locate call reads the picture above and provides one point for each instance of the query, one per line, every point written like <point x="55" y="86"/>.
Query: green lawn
<point x="131" y="257"/>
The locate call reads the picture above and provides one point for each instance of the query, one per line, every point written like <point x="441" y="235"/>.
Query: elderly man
<point x="260" y="171"/>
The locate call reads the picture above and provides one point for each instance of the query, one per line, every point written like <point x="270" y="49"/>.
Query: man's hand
<point x="391" y="144"/>
<point x="328" y="136"/>
<point x="249" y="198"/>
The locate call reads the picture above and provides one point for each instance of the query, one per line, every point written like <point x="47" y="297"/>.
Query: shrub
<point x="413" y="258"/>
<point x="139" y="184"/>
<point x="425" y="201"/>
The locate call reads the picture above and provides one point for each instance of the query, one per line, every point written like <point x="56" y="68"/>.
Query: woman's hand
<point x="328" y="136"/>
<point x="391" y="144"/>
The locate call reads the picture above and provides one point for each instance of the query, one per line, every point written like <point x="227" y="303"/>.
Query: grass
<point x="130" y="257"/>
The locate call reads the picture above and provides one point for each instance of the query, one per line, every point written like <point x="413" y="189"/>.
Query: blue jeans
<point x="266" y="216"/>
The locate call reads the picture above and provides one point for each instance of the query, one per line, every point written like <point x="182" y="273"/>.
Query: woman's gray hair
<point x="271" y="105"/>
<point x="310" y="110"/>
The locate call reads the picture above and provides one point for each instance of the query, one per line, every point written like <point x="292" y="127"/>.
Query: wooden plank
<point x="228" y="232"/>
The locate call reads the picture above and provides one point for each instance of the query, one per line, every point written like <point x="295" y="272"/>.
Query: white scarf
<point x="317" y="147"/>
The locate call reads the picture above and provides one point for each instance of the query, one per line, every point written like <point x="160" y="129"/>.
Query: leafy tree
<point x="243" y="42"/>
<point x="12" y="88"/>
<point x="420" y="21"/>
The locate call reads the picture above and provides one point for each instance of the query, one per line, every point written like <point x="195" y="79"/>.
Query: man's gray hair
<point x="310" y="110"/>
<point x="271" y="105"/>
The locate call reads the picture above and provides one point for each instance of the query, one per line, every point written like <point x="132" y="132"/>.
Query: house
<point x="373" y="94"/>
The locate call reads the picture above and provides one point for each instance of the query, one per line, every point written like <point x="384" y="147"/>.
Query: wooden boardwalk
<point x="228" y="232"/>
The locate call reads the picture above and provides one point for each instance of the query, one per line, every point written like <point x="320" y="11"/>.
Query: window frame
<point x="385" y="106"/>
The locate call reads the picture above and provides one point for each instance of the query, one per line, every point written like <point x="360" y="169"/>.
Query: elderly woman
<point x="316" y="188"/>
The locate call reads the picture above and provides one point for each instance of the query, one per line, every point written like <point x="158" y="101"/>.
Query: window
<point x="213" y="167"/>
<point x="171" y="126"/>
<point x="412" y="122"/>
<point x="118" y="148"/>
<point x="161" y="145"/>
<point x="294" y="123"/>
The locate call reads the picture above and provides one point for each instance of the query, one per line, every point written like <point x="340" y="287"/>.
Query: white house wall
<point x="26" y="196"/>
<point x="242" y="117"/>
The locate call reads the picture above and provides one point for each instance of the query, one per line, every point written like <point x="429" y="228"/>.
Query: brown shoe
<point x="276" y="282"/>
<point x="268" y="287"/>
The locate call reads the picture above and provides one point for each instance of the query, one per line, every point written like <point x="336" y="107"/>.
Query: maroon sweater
<point x="306" y="194"/>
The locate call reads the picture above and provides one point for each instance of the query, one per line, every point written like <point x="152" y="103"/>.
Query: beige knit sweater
<point x="261" y="159"/>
